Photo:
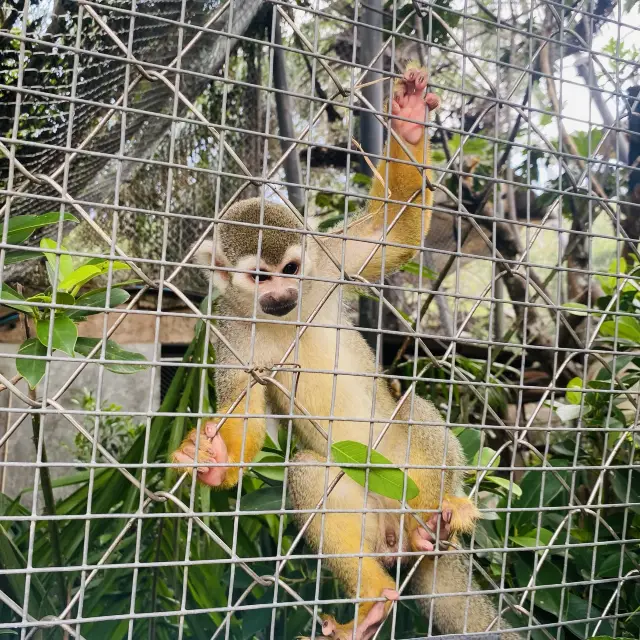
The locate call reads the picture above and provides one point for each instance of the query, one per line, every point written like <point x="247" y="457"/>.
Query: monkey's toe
<point x="463" y="513"/>
<point x="329" y="626"/>
<point x="365" y="629"/>
<point x="424" y="540"/>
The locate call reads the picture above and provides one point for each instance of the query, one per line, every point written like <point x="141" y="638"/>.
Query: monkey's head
<point x="271" y="259"/>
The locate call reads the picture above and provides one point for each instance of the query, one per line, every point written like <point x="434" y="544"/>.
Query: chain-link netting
<point x="127" y="131"/>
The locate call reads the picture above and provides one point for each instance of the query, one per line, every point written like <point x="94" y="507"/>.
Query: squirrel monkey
<point x="286" y="277"/>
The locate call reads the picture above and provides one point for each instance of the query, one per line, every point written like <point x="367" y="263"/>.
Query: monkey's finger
<point x="422" y="540"/>
<point x="442" y="523"/>
<point x="193" y="438"/>
<point x="411" y="74"/>
<point x="400" y="95"/>
<point x="218" y="449"/>
<point x="432" y="101"/>
<point x="212" y="476"/>
<point x="420" y="81"/>
<point x="184" y="458"/>
<point x="211" y="428"/>
<point x="204" y="451"/>
<point x="395" y="107"/>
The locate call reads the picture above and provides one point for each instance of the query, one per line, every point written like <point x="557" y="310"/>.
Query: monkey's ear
<point x="208" y="255"/>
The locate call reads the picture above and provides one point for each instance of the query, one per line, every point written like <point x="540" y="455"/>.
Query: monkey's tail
<point x="456" y="614"/>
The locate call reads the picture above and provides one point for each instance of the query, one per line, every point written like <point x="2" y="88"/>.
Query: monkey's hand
<point x="371" y="616"/>
<point x="210" y="450"/>
<point x="458" y="515"/>
<point x="410" y="101"/>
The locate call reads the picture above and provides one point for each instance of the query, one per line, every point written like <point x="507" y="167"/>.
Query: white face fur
<point x="277" y="286"/>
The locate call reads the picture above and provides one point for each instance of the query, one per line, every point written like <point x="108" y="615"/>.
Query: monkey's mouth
<point x="280" y="309"/>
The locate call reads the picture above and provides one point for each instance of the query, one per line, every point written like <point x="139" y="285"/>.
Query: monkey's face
<point x="258" y="250"/>
<point x="278" y="284"/>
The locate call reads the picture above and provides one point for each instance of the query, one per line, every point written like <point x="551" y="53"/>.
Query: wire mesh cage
<point x="393" y="395"/>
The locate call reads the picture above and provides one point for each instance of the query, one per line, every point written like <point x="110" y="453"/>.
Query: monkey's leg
<point x="341" y="534"/>
<point x="434" y="445"/>
<point x="229" y="443"/>
<point x="455" y="614"/>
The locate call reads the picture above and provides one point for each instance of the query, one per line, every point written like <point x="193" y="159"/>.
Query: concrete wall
<point x="133" y="392"/>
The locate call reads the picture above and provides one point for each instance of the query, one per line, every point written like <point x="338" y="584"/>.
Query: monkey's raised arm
<point x="403" y="180"/>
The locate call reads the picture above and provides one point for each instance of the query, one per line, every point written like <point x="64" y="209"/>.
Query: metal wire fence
<point x="128" y="130"/>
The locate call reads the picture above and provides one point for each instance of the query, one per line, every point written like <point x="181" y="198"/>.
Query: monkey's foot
<point x="423" y="540"/>
<point x="367" y="626"/>
<point x="209" y="450"/>
<point x="410" y="101"/>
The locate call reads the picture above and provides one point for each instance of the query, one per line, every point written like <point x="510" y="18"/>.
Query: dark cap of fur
<point x="240" y="240"/>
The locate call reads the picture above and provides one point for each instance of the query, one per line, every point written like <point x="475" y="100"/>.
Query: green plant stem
<point x="49" y="503"/>
<point x="47" y="487"/>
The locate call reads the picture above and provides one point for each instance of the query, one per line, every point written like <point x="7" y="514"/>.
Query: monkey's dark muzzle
<point x="278" y="306"/>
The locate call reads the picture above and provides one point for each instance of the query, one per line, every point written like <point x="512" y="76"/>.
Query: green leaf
<point x="525" y="541"/>
<point x="628" y="328"/>
<point x="21" y="227"/>
<point x="576" y="309"/>
<point x="414" y="267"/>
<point x="362" y="179"/>
<point x="79" y="276"/>
<point x="579" y="609"/>
<point x="329" y="223"/>
<point x="567" y="412"/>
<point x="11" y="558"/>
<point x="66" y="264"/>
<point x="574" y="397"/>
<point x="473" y="145"/>
<point x="73" y="478"/>
<point x="623" y="480"/>
<point x="13" y="257"/>
<point x="61" y="298"/>
<point x="31" y="370"/>
<point x="545" y="119"/>
<point x="65" y="333"/>
<point x="505" y="483"/>
<point x="113" y="351"/>
<point x="76" y="279"/>
<point x="7" y="294"/>
<point x="263" y="499"/>
<point x="470" y="440"/>
<point x="611" y="567"/>
<point x="103" y="263"/>
<point x="533" y="494"/>
<point x="485" y="457"/>
<point x="98" y="299"/>
<point x="273" y="472"/>
<point x="387" y="482"/>
<point x="617" y="364"/>
<point x="535" y="537"/>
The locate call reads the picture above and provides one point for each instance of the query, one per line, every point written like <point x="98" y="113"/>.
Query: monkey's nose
<point x="278" y="306"/>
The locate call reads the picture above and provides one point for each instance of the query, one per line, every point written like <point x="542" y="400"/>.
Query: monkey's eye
<point x="290" y="268"/>
<point x="262" y="277"/>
